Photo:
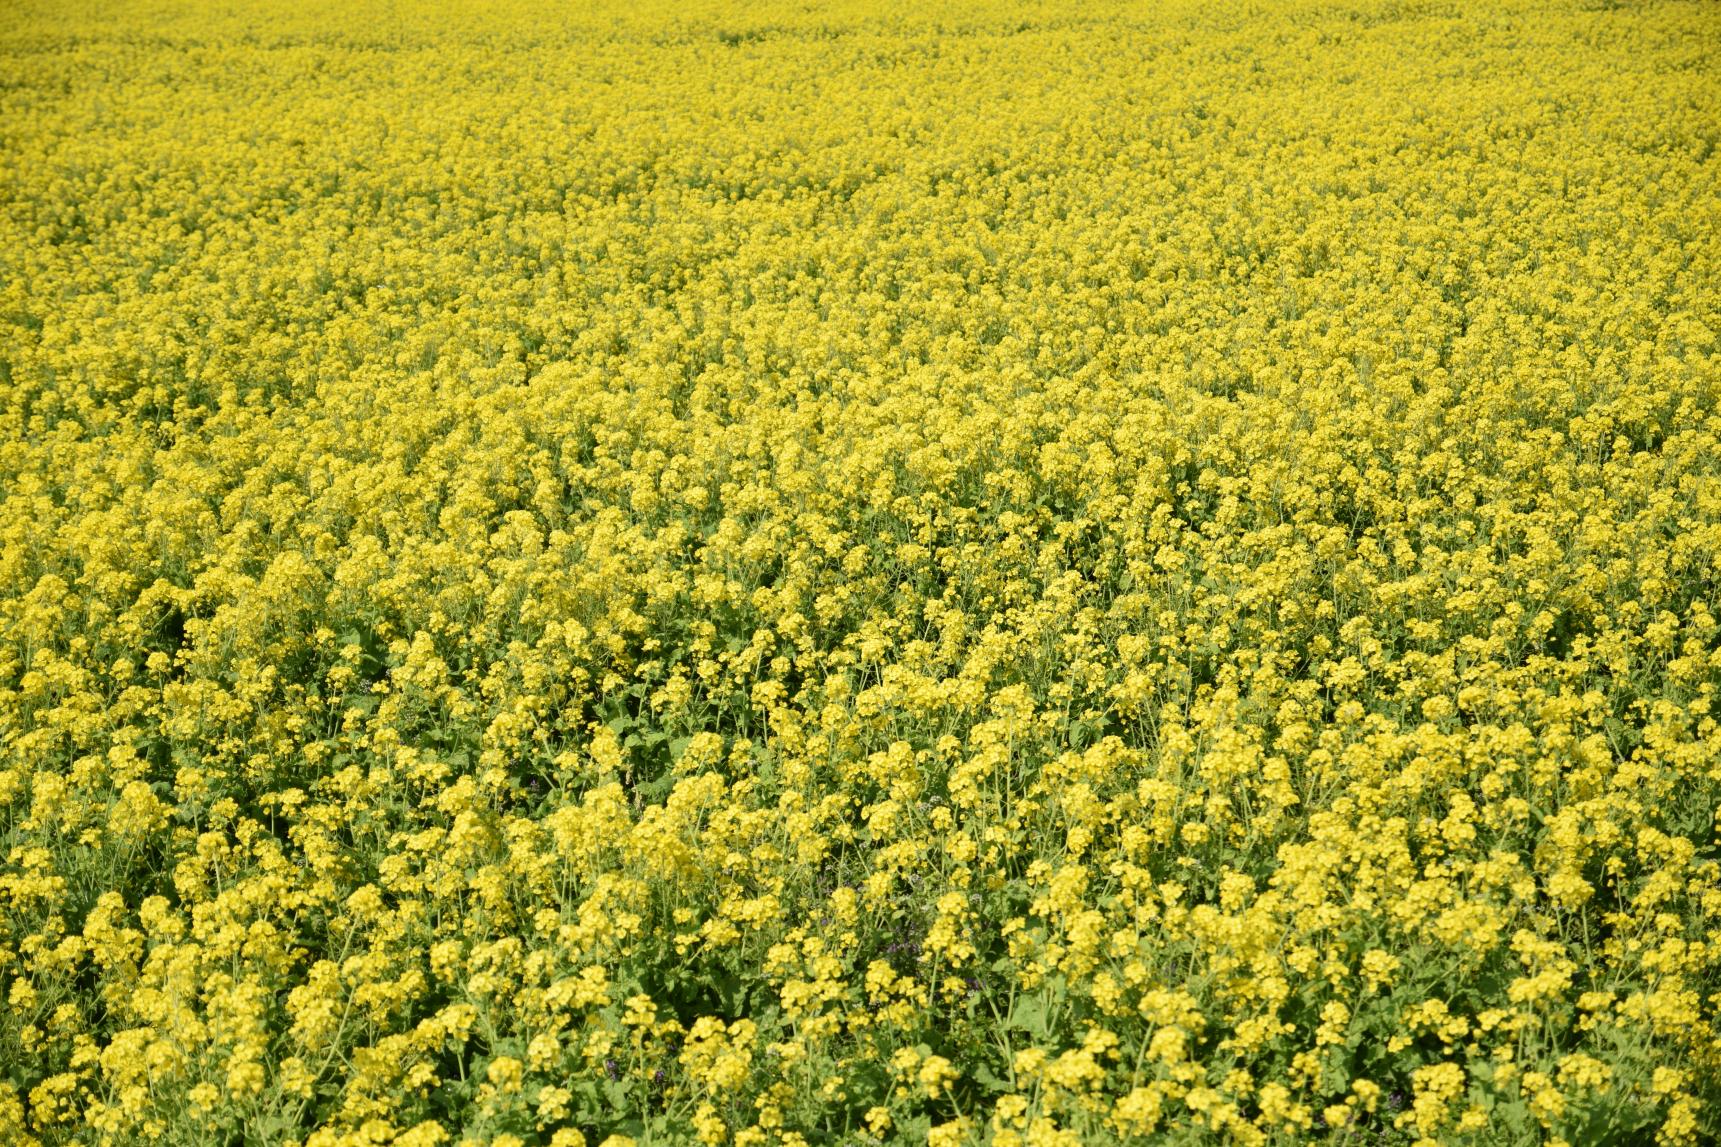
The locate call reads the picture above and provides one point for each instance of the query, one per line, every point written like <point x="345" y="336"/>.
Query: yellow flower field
<point x="801" y="573"/>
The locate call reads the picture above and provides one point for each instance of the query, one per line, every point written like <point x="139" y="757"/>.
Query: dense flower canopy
<point x="835" y="573"/>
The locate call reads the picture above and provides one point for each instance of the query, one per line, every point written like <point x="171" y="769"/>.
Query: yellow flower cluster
<point x="828" y="573"/>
